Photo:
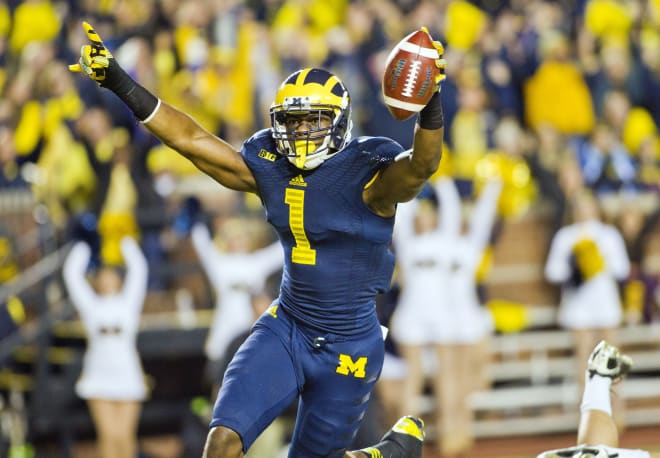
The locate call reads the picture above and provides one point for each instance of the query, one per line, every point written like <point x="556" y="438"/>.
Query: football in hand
<point x="409" y="78"/>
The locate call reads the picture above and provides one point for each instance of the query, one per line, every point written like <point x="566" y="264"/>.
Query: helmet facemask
<point x="328" y="124"/>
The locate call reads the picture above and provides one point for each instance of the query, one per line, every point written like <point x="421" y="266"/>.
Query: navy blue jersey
<point x="336" y="250"/>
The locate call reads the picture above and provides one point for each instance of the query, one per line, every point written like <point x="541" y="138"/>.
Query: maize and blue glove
<point x="431" y="116"/>
<point x="440" y="62"/>
<point x="98" y="63"/>
<point x="95" y="59"/>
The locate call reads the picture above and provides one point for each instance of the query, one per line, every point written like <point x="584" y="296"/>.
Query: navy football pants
<point x="334" y="376"/>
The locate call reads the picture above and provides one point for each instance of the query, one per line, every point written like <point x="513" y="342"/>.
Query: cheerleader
<point x="439" y="306"/>
<point x="236" y="274"/>
<point x="112" y="381"/>
<point x="588" y="258"/>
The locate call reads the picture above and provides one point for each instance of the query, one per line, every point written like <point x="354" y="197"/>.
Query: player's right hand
<point x="95" y="59"/>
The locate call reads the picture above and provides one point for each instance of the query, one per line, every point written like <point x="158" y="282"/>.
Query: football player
<point x="598" y="435"/>
<point x="332" y="202"/>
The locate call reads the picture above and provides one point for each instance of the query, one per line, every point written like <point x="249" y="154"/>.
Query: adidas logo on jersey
<point x="298" y="181"/>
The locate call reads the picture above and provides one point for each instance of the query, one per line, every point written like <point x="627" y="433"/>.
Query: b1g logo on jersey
<point x="267" y="155"/>
<point x="348" y="367"/>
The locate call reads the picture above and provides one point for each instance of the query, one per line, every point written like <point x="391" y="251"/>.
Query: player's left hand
<point x="440" y="62"/>
<point x="95" y="59"/>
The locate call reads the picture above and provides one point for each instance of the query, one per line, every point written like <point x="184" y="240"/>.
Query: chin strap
<point x="303" y="148"/>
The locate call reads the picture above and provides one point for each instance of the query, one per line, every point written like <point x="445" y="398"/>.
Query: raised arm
<point x="137" y="272"/>
<point x="404" y="179"/>
<point x="404" y="227"/>
<point x="485" y="211"/>
<point x="210" y="154"/>
<point x="81" y="293"/>
<point x="616" y="256"/>
<point x="557" y="266"/>
<point x="449" y="211"/>
<point x="270" y="258"/>
<point x="207" y="253"/>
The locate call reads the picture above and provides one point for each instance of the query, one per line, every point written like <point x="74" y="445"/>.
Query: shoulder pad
<point x="259" y="142"/>
<point x="259" y="137"/>
<point x="381" y="150"/>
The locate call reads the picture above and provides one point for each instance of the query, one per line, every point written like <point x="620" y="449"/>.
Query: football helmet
<point x="319" y="100"/>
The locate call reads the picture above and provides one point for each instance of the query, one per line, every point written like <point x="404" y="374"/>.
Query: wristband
<point x="431" y="116"/>
<point x="141" y="102"/>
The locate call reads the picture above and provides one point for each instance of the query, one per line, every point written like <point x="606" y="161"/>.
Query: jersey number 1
<point x="302" y="253"/>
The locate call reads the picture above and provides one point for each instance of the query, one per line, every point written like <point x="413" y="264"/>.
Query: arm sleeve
<point x="450" y="207"/>
<point x="81" y="293"/>
<point x="485" y="211"/>
<point x="557" y="267"/>
<point x="137" y="271"/>
<point x="207" y="253"/>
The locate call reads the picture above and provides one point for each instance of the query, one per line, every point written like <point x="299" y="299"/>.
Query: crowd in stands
<point x="534" y="88"/>
<point x="551" y="98"/>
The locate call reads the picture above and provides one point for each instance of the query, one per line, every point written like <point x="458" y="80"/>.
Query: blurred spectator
<point x="10" y="167"/>
<point x="464" y="24"/>
<point x="650" y="69"/>
<point x="506" y="163"/>
<point x="616" y="107"/>
<point x="8" y="264"/>
<point x="617" y="72"/>
<point x="638" y="289"/>
<point x="609" y="19"/>
<point x="648" y="165"/>
<point x="637" y="128"/>
<point x="546" y="157"/>
<point x="47" y="99"/>
<point x="641" y="137"/>
<point x="125" y="200"/>
<point x="471" y="130"/>
<point x="33" y="20"/>
<point x="557" y="92"/>
<point x="507" y="62"/>
<point x="299" y="31"/>
<point x="12" y="316"/>
<point x="605" y="163"/>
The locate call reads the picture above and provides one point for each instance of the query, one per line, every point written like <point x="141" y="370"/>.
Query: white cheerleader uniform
<point x="439" y="302"/>
<point x="111" y="365"/>
<point x="235" y="277"/>
<point x="596" y="302"/>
